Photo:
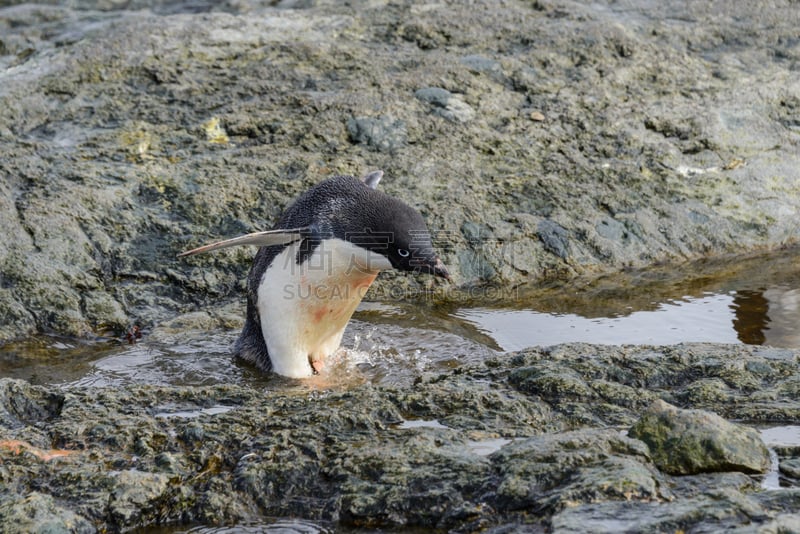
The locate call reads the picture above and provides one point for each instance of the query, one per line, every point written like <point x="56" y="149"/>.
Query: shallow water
<point x="754" y="301"/>
<point x="276" y="526"/>
<point x="779" y="436"/>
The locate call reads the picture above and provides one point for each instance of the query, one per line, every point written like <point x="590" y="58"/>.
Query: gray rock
<point x="612" y="229"/>
<point x="476" y="233"/>
<point x="474" y="266"/>
<point x="790" y="467"/>
<point x="381" y="483"/>
<point x="445" y="104"/>
<point x="383" y="134"/>
<point x="499" y="447"/>
<point x="686" y="442"/>
<point x="127" y="135"/>
<point x="547" y="472"/>
<point x="705" y="392"/>
<point x="722" y="510"/>
<point x="484" y="65"/>
<point x="22" y="405"/>
<point x="554" y="237"/>
<point x="435" y="96"/>
<point x="136" y="495"/>
<point x="551" y="382"/>
<point x="38" y="512"/>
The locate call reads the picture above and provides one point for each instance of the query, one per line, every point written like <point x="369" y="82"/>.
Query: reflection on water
<point x="782" y="321"/>
<point x="768" y="317"/>
<point x="754" y="301"/>
<point x="192" y="358"/>
<point x="786" y="435"/>
<point x="704" y="319"/>
<point x="751" y="318"/>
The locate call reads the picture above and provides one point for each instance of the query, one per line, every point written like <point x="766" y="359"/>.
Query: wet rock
<point x="136" y="497"/>
<point x="790" y="467"/>
<point x="691" y="486"/>
<point x="552" y="383"/>
<point x="546" y="473"/>
<point x="381" y="484"/>
<point x="721" y="510"/>
<point x="685" y="442"/>
<point x="705" y="392"/>
<point x="477" y="407"/>
<point x="785" y="523"/>
<point x="22" y="405"/>
<point x="127" y="135"/>
<point x="39" y="512"/>
<point x="627" y="387"/>
<point x="500" y="446"/>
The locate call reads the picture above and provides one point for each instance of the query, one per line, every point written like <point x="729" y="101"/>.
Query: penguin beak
<point x="437" y="268"/>
<point x="426" y="262"/>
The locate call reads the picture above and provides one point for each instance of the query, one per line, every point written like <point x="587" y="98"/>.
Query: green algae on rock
<point x="688" y="442"/>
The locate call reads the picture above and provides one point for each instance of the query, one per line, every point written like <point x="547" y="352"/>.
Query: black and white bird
<point x="315" y="266"/>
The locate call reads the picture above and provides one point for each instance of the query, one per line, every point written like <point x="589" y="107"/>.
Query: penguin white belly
<point x="305" y="308"/>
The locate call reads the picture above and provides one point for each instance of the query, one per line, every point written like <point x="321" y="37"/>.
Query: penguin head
<point x="391" y="231"/>
<point x="397" y="232"/>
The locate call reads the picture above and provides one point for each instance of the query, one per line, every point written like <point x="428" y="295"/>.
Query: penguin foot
<point x="317" y="365"/>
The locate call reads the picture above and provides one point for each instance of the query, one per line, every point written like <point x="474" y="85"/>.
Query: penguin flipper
<point x="282" y="236"/>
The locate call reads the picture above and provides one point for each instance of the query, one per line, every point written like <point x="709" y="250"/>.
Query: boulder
<point x="688" y="442"/>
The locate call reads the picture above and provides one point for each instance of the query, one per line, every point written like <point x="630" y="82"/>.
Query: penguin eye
<point x="403" y="252"/>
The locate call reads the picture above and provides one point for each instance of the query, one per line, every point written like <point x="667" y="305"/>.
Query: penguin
<point x="314" y="267"/>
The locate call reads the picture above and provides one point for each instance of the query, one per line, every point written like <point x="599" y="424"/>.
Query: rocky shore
<point x="541" y="140"/>
<point x="574" y="438"/>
